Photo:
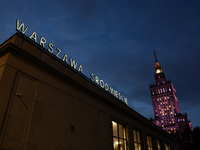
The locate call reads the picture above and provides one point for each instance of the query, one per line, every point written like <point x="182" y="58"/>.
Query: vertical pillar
<point x="144" y="140"/>
<point x="130" y="136"/>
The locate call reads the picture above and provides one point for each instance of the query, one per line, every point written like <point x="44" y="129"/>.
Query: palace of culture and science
<point x="165" y="104"/>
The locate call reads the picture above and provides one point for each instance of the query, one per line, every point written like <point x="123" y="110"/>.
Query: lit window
<point x="161" y="90"/>
<point x="169" y="89"/>
<point x="119" y="136"/>
<point x="137" y="140"/>
<point x="149" y="143"/>
<point x="167" y="147"/>
<point x="157" y="99"/>
<point x="183" y="119"/>
<point x="159" y="145"/>
<point x="158" y="91"/>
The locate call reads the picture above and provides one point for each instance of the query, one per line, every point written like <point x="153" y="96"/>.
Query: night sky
<point x="114" y="39"/>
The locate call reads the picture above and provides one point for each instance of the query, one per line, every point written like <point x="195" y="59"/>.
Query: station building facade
<point x="47" y="105"/>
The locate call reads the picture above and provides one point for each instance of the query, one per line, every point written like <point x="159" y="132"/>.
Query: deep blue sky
<point x="114" y="39"/>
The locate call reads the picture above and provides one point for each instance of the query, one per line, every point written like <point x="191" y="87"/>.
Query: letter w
<point x="73" y="63"/>
<point x="21" y="26"/>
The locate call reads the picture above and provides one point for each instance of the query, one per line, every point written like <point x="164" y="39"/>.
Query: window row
<point x="162" y="90"/>
<point x="120" y="142"/>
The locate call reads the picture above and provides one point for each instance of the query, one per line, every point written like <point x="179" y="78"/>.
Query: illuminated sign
<point x="105" y="86"/>
<point x="42" y="42"/>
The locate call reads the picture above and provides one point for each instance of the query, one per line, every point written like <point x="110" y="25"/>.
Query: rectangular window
<point x="167" y="147"/>
<point x="159" y="145"/>
<point x="149" y="143"/>
<point x="119" y="136"/>
<point x="137" y="140"/>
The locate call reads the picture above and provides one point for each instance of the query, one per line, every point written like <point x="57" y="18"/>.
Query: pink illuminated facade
<point x="165" y="103"/>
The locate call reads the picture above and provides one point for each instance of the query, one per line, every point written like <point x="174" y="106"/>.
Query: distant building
<point x="47" y="104"/>
<point x="181" y="121"/>
<point x="165" y="104"/>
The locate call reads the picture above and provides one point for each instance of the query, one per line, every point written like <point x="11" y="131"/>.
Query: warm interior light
<point x="158" y="71"/>
<point x="113" y="122"/>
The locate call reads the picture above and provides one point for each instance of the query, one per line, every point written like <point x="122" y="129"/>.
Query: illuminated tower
<point x="164" y="100"/>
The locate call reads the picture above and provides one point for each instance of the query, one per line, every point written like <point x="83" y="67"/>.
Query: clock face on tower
<point x="158" y="71"/>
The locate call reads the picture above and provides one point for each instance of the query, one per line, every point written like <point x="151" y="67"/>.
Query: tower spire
<point x="158" y="68"/>
<point x="159" y="75"/>
<point x="155" y="55"/>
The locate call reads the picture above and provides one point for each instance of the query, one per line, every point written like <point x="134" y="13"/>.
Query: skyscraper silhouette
<point x="165" y="103"/>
